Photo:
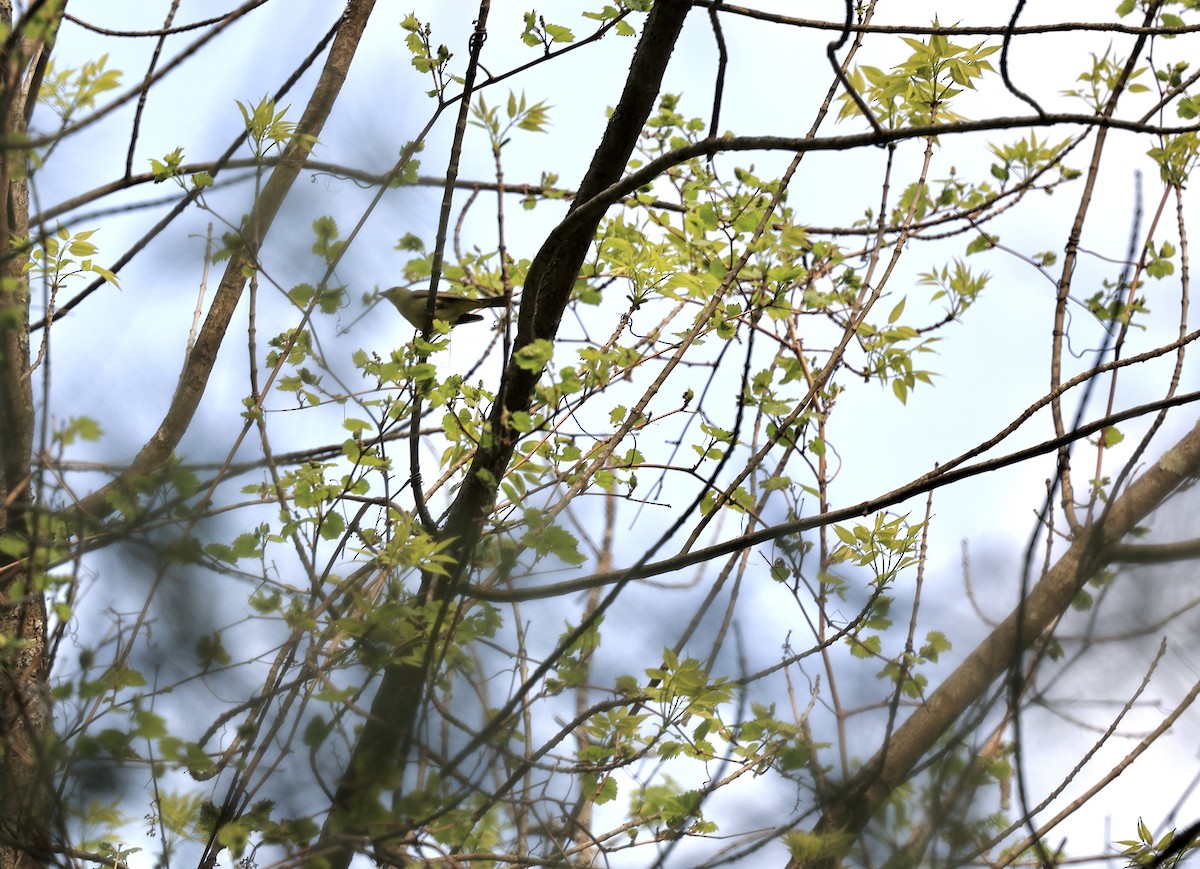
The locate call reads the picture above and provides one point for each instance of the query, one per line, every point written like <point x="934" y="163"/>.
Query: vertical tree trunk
<point x="26" y="796"/>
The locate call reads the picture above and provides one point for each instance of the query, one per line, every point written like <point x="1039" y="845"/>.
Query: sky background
<point x="992" y="367"/>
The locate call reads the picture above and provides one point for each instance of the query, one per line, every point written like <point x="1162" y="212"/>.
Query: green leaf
<point x="332" y="526"/>
<point x="553" y="540"/>
<point x="210" y="651"/>
<point x="607" y="792"/>
<point x="316" y="732"/>
<point x="168" y="167"/>
<point x="535" y="355"/>
<point x="79" y="427"/>
<point x="410" y="242"/>
<point x="982" y="242"/>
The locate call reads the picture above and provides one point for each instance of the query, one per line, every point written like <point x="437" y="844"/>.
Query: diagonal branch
<point x="552" y="274"/>
<point x="548" y="286"/>
<point x="849" y="812"/>
<point x="198" y="366"/>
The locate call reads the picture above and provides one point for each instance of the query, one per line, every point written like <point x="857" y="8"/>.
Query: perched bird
<point x="452" y="308"/>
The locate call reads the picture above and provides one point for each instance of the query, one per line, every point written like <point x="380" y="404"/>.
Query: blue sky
<point x="992" y="366"/>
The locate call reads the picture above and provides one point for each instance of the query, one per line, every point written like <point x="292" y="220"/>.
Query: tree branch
<point x="198" y="366"/>
<point x="854" y="806"/>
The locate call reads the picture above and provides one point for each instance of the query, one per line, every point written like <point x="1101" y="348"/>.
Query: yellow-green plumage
<point x="454" y="309"/>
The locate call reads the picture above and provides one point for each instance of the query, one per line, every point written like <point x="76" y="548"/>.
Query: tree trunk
<point x="27" y="814"/>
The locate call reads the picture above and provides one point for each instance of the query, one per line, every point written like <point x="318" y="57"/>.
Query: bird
<point x="454" y="309"/>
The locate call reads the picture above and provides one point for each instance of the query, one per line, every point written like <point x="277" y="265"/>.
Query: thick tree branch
<point x="554" y="269"/>
<point x="27" y="809"/>
<point x="1048" y="600"/>
<point x="197" y="368"/>
<point x="548" y="286"/>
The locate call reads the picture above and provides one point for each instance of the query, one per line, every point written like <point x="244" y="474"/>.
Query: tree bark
<point x="845" y="817"/>
<point x="27" y="805"/>
<point x="375" y="760"/>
